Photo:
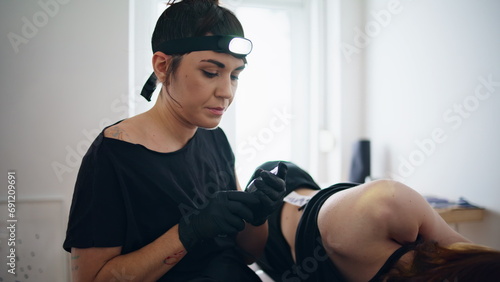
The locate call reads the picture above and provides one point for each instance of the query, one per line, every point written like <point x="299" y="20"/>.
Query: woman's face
<point x="203" y="87"/>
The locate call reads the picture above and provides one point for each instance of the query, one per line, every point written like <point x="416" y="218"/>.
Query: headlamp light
<point x="234" y="45"/>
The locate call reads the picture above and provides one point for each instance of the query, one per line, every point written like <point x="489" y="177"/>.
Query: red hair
<point x="460" y="262"/>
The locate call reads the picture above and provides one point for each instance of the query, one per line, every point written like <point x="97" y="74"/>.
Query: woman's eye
<point x="234" y="77"/>
<point x="210" y="74"/>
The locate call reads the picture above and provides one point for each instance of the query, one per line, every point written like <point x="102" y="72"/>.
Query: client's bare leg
<point x="362" y="226"/>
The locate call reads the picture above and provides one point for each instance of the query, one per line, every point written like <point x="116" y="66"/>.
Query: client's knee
<point x="383" y="191"/>
<point x="382" y="197"/>
<point x="399" y="209"/>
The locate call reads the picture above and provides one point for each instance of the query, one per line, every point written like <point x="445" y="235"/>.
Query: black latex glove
<point x="270" y="190"/>
<point x="225" y="214"/>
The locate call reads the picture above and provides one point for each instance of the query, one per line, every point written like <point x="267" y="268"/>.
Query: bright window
<point x="263" y="104"/>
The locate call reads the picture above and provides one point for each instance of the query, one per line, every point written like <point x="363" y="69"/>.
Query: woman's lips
<point x="217" y="111"/>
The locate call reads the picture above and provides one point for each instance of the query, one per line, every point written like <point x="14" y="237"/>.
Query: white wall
<point x="349" y="105"/>
<point x="420" y="63"/>
<point x="58" y="89"/>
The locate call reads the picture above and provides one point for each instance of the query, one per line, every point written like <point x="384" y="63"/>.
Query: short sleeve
<point x="97" y="215"/>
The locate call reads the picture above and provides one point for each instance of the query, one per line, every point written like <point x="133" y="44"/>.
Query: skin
<point x="201" y="90"/>
<point x="362" y="226"/>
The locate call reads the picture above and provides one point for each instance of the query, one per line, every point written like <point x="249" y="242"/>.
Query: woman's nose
<point x="226" y="88"/>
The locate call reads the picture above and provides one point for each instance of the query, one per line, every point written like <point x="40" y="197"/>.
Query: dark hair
<point x="436" y="263"/>
<point x="192" y="18"/>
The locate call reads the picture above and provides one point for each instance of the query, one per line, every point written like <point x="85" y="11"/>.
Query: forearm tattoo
<point x="175" y="258"/>
<point x="74" y="265"/>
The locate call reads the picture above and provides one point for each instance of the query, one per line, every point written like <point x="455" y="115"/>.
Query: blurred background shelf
<point x="460" y="214"/>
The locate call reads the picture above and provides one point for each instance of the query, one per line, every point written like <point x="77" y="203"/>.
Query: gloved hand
<point x="224" y="214"/>
<point x="269" y="188"/>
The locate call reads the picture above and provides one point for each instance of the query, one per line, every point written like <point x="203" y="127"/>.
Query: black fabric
<point x="277" y="257"/>
<point x="149" y="87"/>
<point x="360" y="163"/>
<point x="394" y="257"/>
<point x="313" y="264"/>
<point x="127" y="195"/>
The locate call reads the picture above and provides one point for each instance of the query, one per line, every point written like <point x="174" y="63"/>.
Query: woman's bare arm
<point x="146" y="264"/>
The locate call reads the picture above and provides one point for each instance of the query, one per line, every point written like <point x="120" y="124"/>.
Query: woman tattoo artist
<point x="156" y="198"/>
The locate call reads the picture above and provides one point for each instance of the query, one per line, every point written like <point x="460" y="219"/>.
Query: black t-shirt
<point x="127" y="195"/>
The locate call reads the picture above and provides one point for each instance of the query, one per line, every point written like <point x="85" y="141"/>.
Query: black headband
<point x="234" y="45"/>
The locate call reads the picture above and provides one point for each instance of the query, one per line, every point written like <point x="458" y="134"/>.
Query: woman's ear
<point x="160" y="65"/>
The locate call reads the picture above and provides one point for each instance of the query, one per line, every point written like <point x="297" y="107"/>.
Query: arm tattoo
<point x="175" y="258"/>
<point x="74" y="266"/>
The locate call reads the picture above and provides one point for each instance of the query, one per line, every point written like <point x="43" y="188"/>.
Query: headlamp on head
<point x="237" y="46"/>
<point x="234" y="45"/>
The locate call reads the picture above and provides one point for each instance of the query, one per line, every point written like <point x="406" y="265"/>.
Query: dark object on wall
<point x="360" y="163"/>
